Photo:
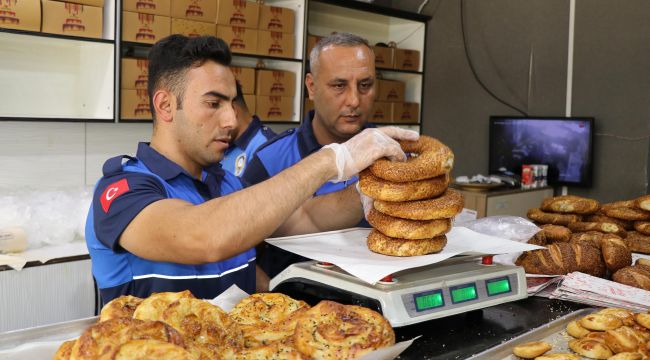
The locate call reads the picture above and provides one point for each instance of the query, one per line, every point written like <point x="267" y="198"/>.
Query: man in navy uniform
<point x="341" y="84"/>
<point x="170" y="219"/>
<point x="249" y="134"/>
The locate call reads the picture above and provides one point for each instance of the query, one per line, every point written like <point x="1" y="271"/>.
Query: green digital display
<point x="428" y="301"/>
<point x="498" y="286"/>
<point x="463" y="293"/>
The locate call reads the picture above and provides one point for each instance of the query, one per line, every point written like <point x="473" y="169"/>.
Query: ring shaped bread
<point x="604" y="227"/>
<point x="643" y="202"/>
<point x="105" y="338"/>
<point x="556" y="233"/>
<point x="123" y="306"/>
<point x="443" y="207"/>
<point x="382" y="244"/>
<point x="628" y="213"/>
<point x="408" y="229"/>
<point x="331" y="330"/>
<point x="152" y="307"/>
<point x="531" y="349"/>
<point x="551" y="218"/>
<point x="267" y="317"/>
<point x="570" y="204"/>
<point x="203" y="322"/>
<point x="380" y="189"/>
<point x="643" y="227"/>
<point x="433" y="159"/>
<point x="151" y="349"/>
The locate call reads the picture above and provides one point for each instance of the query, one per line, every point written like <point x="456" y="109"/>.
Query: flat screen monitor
<point x="564" y="144"/>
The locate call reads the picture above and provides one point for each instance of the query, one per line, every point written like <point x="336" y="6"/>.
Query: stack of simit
<point x="412" y="207"/>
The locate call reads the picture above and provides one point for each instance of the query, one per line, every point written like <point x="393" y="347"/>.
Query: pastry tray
<point x="553" y="333"/>
<point x="47" y="334"/>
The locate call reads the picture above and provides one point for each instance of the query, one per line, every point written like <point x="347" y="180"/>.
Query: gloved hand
<point x="367" y="146"/>
<point x="366" y="201"/>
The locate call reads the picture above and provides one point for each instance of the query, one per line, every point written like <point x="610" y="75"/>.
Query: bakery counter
<point x="461" y="336"/>
<point x="503" y="200"/>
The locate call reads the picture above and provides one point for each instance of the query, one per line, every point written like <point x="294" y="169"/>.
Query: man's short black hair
<point x="239" y="98"/>
<point x="171" y="57"/>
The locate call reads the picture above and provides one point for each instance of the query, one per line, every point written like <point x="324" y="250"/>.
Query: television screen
<point x="564" y="144"/>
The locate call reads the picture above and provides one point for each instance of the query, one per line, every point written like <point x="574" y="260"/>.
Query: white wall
<point x="52" y="154"/>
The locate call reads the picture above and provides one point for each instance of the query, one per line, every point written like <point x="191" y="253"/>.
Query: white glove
<point x="366" y="147"/>
<point x="366" y="201"/>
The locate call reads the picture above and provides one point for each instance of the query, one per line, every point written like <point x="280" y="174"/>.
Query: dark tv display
<point x="565" y="144"/>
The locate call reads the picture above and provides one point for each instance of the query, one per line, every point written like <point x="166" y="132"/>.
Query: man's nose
<point x="230" y="118"/>
<point x="352" y="98"/>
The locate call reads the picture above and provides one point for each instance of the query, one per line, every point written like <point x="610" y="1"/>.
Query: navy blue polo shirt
<point x="271" y="158"/>
<point x="241" y="150"/>
<point x="128" y="187"/>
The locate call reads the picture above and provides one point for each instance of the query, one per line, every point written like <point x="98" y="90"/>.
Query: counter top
<point x="463" y="335"/>
<point x="46" y="255"/>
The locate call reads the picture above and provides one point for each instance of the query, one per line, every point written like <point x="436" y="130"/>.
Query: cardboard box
<point x="275" y="43"/>
<point x="307" y="107"/>
<point x="193" y="28"/>
<point x="250" y="103"/>
<point x="72" y="19"/>
<point x="273" y="18"/>
<point x="311" y="42"/>
<point x="97" y="3"/>
<point x="406" y="113"/>
<point x="21" y="15"/>
<point x="135" y="73"/>
<point x="390" y="90"/>
<point x="197" y="10"/>
<point x="274" y="108"/>
<point x="144" y="28"/>
<point x="238" y="13"/>
<point x="156" y="7"/>
<point x="382" y="112"/>
<point x="239" y="39"/>
<point x="275" y="83"/>
<point x="407" y="59"/>
<point x="134" y="105"/>
<point x="383" y="57"/>
<point x="246" y="78"/>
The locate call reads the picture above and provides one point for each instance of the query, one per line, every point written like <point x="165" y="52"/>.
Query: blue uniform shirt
<point x="120" y="195"/>
<point x="242" y="149"/>
<point x="271" y="158"/>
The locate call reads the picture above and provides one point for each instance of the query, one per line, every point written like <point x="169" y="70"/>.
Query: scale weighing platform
<point x="412" y="296"/>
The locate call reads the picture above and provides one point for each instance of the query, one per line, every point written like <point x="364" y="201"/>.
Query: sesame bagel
<point x="386" y="245"/>
<point x="433" y="159"/>
<point x="408" y="229"/>
<point x="380" y="189"/>
<point x="443" y="207"/>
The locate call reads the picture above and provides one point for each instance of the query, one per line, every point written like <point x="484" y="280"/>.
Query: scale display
<point x="463" y="293"/>
<point x="498" y="286"/>
<point x="429" y="300"/>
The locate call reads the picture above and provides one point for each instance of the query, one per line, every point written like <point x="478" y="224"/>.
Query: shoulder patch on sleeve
<point x="112" y="191"/>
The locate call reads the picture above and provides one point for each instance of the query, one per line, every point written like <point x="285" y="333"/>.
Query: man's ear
<point x="164" y="103"/>
<point x="309" y="82"/>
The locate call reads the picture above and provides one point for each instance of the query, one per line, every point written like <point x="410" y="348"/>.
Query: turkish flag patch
<point x="112" y="192"/>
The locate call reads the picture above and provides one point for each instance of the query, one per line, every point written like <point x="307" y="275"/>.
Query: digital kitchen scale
<point x="454" y="286"/>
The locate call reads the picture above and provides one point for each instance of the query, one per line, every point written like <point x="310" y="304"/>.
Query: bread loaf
<point x="637" y="242"/>
<point x="592" y="238"/>
<point x="570" y="204"/>
<point x="551" y="218"/>
<point x="556" y="233"/>
<point x="616" y="204"/>
<point x="625" y="224"/>
<point x="642" y="227"/>
<point x="538" y="239"/>
<point x="628" y="213"/>
<point x="637" y="276"/>
<point x="615" y="253"/>
<point x="643" y="202"/>
<point x="594" y="226"/>
<point x="563" y="258"/>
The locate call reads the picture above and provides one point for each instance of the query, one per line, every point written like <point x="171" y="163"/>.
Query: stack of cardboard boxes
<point x="274" y="92"/>
<point x="134" y="100"/>
<point x="145" y="21"/>
<point x="390" y="106"/>
<point x="81" y="18"/>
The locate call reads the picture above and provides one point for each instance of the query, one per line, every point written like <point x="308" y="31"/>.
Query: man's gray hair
<point x="334" y="39"/>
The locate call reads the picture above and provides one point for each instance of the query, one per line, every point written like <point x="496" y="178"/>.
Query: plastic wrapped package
<point x="49" y="217"/>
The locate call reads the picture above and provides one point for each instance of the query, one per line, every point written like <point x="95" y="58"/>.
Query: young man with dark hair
<point x="249" y="134"/>
<point x="341" y="84"/>
<point x="171" y="219"/>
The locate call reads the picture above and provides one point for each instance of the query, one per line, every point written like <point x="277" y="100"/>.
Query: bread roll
<point x="628" y="213"/>
<point x="626" y="316"/>
<point x="570" y="204"/>
<point x="625" y="224"/>
<point x="556" y="233"/>
<point x="559" y="356"/>
<point x="542" y="217"/>
<point x="637" y="276"/>
<point x="590" y="348"/>
<point x="642" y="227"/>
<point x="531" y="349"/>
<point x="643" y="202"/>
<point x="622" y="339"/>
<point x="123" y="306"/>
<point x="600" y="322"/>
<point x="538" y="239"/>
<point x="601" y="227"/>
<point x="637" y="242"/>
<point x="643" y="319"/>
<point x="152" y="307"/>
<point x="615" y="253"/>
<point x="576" y="330"/>
<point x="626" y="356"/>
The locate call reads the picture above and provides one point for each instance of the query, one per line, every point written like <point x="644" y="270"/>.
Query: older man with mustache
<point x="342" y="86"/>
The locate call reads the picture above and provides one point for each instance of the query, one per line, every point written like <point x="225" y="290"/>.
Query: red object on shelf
<point x="387" y="278"/>
<point x="487" y="260"/>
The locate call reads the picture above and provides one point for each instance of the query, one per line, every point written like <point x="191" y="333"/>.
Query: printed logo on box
<point x="73" y="23"/>
<point x="7" y="15"/>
